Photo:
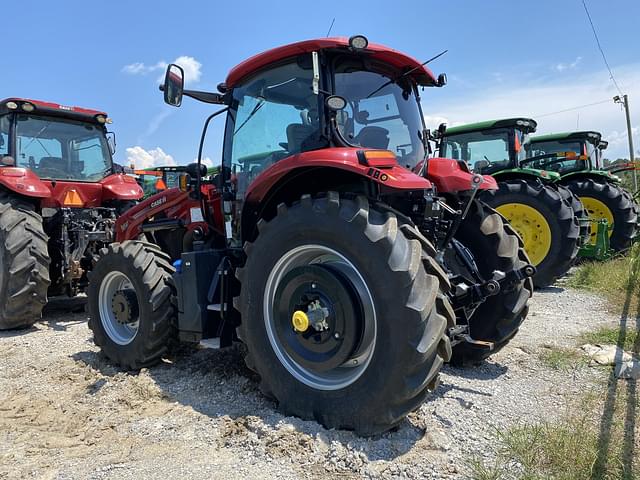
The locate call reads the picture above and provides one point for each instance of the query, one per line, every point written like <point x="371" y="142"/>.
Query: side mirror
<point x="173" y="86"/>
<point x="442" y="80"/>
<point x="194" y="172"/>
<point x="442" y="128"/>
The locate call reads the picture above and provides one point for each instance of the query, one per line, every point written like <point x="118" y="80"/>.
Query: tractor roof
<point x="54" y="109"/>
<point x="523" y="123"/>
<point x="422" y="74"/>
<point x="590" y="136"/>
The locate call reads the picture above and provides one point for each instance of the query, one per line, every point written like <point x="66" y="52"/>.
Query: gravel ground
<point x="66" y="413"/>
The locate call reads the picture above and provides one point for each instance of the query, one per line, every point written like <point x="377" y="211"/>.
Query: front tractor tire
<point x="343" y="314"/>
<point x="24" y="264"/>
<point x="604" y="200"/>
<point x="544" y="221"/>
<point x="493" y="245"/>
<point x="131" y="304"/>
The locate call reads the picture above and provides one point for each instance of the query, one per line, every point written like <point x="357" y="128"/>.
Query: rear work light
<point x="12" y="105"/>
<point x="28" y="107"/>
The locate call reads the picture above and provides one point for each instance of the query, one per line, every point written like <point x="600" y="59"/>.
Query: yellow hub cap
<point x="300" y="321"/>
<point x="532" y="227"/>
<point x="597" y="211"/>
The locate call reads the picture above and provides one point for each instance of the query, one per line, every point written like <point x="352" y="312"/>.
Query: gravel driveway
<point x="66" y="413"/>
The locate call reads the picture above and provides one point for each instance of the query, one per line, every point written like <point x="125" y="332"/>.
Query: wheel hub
<point x="597" y="210"/>
<point x="532" y="227"/>
<point x="124" y="305"/>
<point x="317" y="315"/>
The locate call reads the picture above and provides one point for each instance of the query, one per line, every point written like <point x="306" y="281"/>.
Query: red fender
<point x="452" y="176"/>
<point x="23" y="182"/>
<point x="393" y="177"/>
<point x="120" y="187"/>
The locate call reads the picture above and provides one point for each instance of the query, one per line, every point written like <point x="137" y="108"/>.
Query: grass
<point x="613" y="278"/>
<point x="609" y="336"/>
<point x="570" y="448"/>
<point x="563" y="359"/>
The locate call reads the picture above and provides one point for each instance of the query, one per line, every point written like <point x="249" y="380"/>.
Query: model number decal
<point x="377" y="174"/>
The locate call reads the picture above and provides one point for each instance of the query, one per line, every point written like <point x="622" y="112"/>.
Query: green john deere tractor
<point x="598" y="189"/>
<point x="530" y="198"/>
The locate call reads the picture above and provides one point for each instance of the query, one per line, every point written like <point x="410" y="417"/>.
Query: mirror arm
<point x="206" y="97"/>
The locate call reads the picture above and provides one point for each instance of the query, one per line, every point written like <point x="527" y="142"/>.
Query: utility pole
<point x="625" y="103"/>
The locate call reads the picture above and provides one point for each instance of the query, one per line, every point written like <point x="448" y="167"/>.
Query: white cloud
<point x="192" y="68"/>
<point x="156" y="157"/>
<point x="561" y="67"/>
<point x="513" y="99"/>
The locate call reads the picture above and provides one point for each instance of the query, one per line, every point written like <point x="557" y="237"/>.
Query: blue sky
<point x="505" y="58"/>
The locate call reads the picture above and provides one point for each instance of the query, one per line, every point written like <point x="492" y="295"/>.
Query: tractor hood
<point x="57" y="193"/>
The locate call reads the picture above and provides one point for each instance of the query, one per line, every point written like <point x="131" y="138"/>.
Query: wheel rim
<point x="319" y="359"/>
<point x="115" y="291"/>
<point x="597" y="211"/>
<point x="532" y="227"/>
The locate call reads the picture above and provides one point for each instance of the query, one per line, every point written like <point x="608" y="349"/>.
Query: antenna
<point x="331" y="26"/>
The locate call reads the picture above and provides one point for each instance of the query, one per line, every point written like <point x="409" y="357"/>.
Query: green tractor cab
<point x="540" y="211"/>
<point x="599" y="189"/>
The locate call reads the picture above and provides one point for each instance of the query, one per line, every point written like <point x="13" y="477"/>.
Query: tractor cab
<point x="580" y="149"/>
<point x="488" y="147"/>
<point x="60" y="154"/>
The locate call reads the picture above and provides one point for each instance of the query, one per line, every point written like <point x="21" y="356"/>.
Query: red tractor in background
<point x="328" y="242"/>
<point x="60" y="194"/>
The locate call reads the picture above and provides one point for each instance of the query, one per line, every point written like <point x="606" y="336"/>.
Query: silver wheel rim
<point x="347" y="373"/>
<point x="122" y="334"/>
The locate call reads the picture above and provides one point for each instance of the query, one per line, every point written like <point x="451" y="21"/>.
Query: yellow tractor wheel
<point x="532" y="227"/>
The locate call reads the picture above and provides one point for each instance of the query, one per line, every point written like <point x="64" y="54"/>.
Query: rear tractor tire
<point x="24" y="264"/>
<point x="494" y="245"/>
<point x="131" y="304"/>
<point x="544" y="221"/>
<point x="611" y="202"/>
<point x="343" y="318"/>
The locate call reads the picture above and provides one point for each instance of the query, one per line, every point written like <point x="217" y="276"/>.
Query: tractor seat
<point x="53" y="163"/>
<point x="297" y="135"/>
<point x="373" y="137"/>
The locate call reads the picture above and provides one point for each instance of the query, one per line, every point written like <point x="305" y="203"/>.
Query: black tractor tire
<point x="407" y="290"/>
<point x="24" y="264"/>
<point x="564" y="228"/>
<point x="149" y="273"/>
<point x="494" y="246"/>
<point x="621" y="205"/>
<point x="579" y="212"/>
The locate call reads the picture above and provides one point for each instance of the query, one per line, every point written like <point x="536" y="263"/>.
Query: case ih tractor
<point x="598" y="189"/>
<point x="328" y="243"/>
<point x="59" y="198"/>
<point x="547" y="215"/>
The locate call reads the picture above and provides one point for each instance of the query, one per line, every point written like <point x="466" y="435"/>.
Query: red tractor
<point x="60" y="194"/>
<point x="328" y="242"/>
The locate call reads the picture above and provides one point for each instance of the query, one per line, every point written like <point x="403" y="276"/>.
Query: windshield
<point x="62" y="149"/>
<point x="555" y="146"/>
<point x="483" y="151"/>
<point x="380" y="114"/>
<point x="4" y="135"/>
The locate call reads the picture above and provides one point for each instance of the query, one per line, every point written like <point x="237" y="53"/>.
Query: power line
<point x="578" y="107"/>
<point x="593" y="28"/>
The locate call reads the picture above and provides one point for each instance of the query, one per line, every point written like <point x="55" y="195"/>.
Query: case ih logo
<point x="158" y="202"/>
<point x="64" y="107"/>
